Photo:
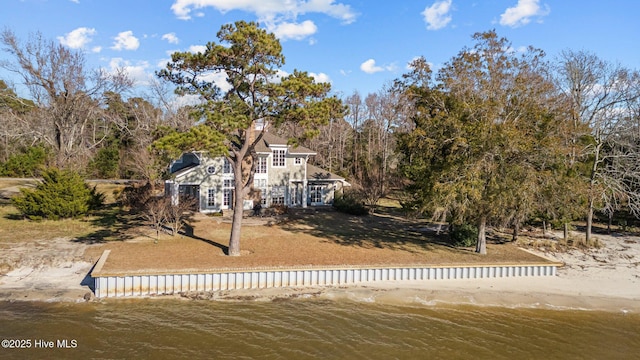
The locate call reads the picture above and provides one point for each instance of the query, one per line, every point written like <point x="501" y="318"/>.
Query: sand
<point x="597" y="279"/>
<point x="47" y="270"/>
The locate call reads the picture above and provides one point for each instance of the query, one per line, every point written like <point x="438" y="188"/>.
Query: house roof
<point x="185" y="170"/>
<point x="316" y="173"/>
<point x="269" y="139"/>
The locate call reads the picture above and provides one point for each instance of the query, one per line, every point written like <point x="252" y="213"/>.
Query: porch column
<point x="174" y="192"/>
<point x="305" y="183"/>
<point x="304" y="193"/>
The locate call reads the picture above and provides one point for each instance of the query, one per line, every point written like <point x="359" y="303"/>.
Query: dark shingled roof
<point x="316" y="173"/>
<point x="269" y="139"/>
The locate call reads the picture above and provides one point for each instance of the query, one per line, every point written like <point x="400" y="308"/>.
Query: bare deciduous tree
<point x="66" y="93"/>
<point x="600" y="96"/>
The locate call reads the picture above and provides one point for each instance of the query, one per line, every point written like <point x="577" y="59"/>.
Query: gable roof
<point x="269" y="139"/>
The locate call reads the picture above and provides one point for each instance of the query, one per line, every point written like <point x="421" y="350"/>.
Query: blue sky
<point x="354" y="44"/>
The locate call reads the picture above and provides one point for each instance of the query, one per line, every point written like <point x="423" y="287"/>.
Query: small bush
<point x="464" y="235"/>
<point x="350" y="204"/>
<point x="280" y="209"/>
<point x="62" y="194"/>
<point x="25" y="164"/>
<point x="135" y="197"/>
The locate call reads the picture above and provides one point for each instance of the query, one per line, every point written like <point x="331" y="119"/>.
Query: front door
<point x="296" y="195"/>
<point x="316" y="193"/>
<point x="188" y="192"/>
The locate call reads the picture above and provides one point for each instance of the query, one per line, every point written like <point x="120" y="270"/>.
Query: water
<point x="313" y="329"/>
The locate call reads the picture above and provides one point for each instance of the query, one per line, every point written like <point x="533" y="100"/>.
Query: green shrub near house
<point x="61" y="194"/>
<point x="349" y="203"/>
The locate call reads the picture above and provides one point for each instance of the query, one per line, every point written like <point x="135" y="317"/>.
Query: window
<point x="211" y="169"/>
<point x="211" y="197"/>
<point x="298" y="161"/>
<point x="277" y="195"/>
<point x="261" y="184"/>
<point x="227" y="167"/>
<point x="261" y="166"/>
<point x="278" y="158"/>
<point x="227" y="193"/>
<point x="295" y="195"/>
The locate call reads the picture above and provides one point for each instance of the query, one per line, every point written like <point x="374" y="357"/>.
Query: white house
<point x="283" y="176"/>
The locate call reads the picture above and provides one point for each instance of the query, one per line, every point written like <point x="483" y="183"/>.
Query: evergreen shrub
<point x="61" y="194"/>
<point x="350" y="204"/>
<point x="105" y="164"/>
<point x="464" y="235"/>
<point x="27" y="163"/>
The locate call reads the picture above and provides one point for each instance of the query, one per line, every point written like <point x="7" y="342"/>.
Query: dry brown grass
<point x="14" y="229"/>
<point x="322" y="239"/>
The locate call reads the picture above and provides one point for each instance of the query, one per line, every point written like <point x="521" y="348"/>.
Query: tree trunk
<point x="516" y="229"/>
<point x="566" y="231"/>
<point x="236" y="226"/>
<point x="587" y="238"/>
<point x="610" y="222"/>
<point x="443" y="218"/>
<point x="481" y="245"/>
<point x="544" y="228"/>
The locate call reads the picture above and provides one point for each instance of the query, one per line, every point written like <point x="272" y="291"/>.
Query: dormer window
<point x="278" y="157"/>
<point x="227" y="167"/>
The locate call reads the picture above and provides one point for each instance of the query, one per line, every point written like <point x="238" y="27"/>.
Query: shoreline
<point x="606" y="279"/>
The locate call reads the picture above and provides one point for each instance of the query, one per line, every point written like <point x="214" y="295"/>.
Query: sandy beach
<point x="607" y="278"/>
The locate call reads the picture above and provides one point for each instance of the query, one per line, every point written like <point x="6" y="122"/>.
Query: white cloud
<point x="518" y="50"/>
<point x="409" y="67"/>
<point x="437" y="15"/>
<point x="75" y="1"/>
<point x="126" y="41"/>
<point x="96" y="49"/>
<point x="521" y="13"/>
<point x="136" y="72"/>
<point x="320" y="77"/>
<point x="267" y="8"/>
<point x="171" y="38"/>
<point x="78" y="38"/>
<point x="370" y="67"/>
<point x="163" y="63"/>
<point x="197" y="49"/>
<point x="219" y="78"/>
<point x="280" y="15"/>
<point x="185" y="100"/>
<point x="295" y="31"/>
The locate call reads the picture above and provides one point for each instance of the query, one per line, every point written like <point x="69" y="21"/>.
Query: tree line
<point x="496" y="137"/>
